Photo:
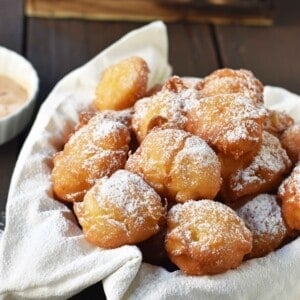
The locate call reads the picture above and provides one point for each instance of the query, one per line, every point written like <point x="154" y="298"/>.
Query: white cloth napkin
<point x="43" y="254"/>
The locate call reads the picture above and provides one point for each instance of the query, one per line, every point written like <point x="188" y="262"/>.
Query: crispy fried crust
<point x="120" y="210"/>
<point x="122" y="84"/>
<point x="262" y="215"/>
<point x="256" y="174"/>
<point x="206" y="237"/>
<point x="96" y="150"/>
<point x="178" y="165"/>
<point x="289" y="193"/>
<point x="229" y="81"/>
<point x="290" y="140"/>
<point x="230" y="123"/>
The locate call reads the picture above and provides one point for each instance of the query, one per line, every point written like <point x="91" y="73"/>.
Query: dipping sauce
<point x="12" y="96"/>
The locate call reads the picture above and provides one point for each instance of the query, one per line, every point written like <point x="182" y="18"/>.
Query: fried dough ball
<point x="153" y="158"/>
<point x="263" y="174"/>
<point x="276" y="122"/>
<point x="262" y="215"/>
<point x="290" y="141"/>
<point x="195" y="172"/>
<point x="164" y="109"/>
<point x="120" y="210"/>
<point x="95" y="150"/>
<point x="206" y="237"/>
<point x="177" y="165"/>
<point x="230" y="123"/>
<point x="289" y="193"/>
<point x="228" y="81"/>
<point x="122" y="84"/>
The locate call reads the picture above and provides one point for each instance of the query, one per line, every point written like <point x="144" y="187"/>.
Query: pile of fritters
<point x="189" y="170"/>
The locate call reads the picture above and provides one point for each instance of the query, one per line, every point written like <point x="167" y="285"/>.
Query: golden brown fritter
<point x="230" y="123"/>
<point x="289" y="193"/>
<point x="177" y="165"/>
<point x="206" y="237"/>
<point x="120" y="210"/>
<point x="122" y="84"/>
<point x="95" y="150"/>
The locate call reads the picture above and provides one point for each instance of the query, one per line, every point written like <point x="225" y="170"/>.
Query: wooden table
<point x="55" y="47"/>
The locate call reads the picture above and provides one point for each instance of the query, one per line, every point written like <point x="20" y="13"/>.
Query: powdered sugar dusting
<point x="190" y="82"/>
<point x="97" y="137"/>
<point x="98" y="130"/>
<point x="122" y="116"/>
<point x="164" y="104"/>
<point x="277" y="122"/>
<point x="95" y="150"/>
<point x="205" y="224"/>
<point x="107" y="129"/>
<point x="159" y="148"/>
<point x="290" y="140"/>
<point x="200" y="157"/>
<point x="271" y="159"/>
<point x="199" y="152"/>
<point x="168" y="106"/>
<point x="229" y="122"/>
<point x="110" y="160"/>
<point x="262" y="216"/>
<point x="226" y="80"/>
<point x="131" y="194"/>
<point x="243" y="119"/>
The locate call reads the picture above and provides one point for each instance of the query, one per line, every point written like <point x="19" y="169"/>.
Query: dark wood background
<point x="55" y="47"/>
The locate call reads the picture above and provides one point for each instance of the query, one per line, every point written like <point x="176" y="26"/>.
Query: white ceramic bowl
<point x="20" y="70"/>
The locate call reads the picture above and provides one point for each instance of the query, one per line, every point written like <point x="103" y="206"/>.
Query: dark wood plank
<point x="11" y="24"/>
<point x="271" y="53"/>
<point x="56" y="47"/>
<point x="70" y="43"/>
<point x="11" y="36"/>
<point x="147" y="10"/>
<point x="191" y="48"/>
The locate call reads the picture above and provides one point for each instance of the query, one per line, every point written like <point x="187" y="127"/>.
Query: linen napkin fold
<point x="43" y="254"/>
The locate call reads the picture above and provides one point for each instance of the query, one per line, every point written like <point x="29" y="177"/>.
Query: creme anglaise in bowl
<point x="18" y="89"/>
